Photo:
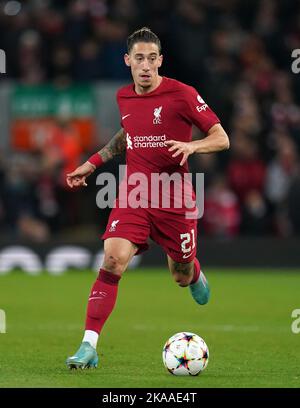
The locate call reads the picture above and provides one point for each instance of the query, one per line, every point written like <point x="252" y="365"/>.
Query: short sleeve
<point x="197" y="111"/>
<point x="118" y="103"/>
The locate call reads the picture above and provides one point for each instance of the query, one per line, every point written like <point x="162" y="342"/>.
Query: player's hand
<point x="77" y="177"/>
<point x="185" y="148"/>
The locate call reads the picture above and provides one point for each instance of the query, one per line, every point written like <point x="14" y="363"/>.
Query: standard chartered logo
<point x="142" y="142"/>
<point x="2" y="321"/>
<point x="149" y="141"/>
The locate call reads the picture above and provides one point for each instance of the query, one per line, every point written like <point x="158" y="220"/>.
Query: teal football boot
<point x="200" y="290"/>
<point x="85" y="357"/>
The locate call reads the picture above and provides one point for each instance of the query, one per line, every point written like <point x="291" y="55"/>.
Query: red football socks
<point x="197" y="270"/>
<point x="102" y="300"/>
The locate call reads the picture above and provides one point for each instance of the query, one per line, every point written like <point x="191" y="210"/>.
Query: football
<point x="185" y="353"/>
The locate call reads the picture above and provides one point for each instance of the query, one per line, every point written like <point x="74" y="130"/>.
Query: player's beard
<point x="147" y="83"/>
<point x="145" y="86"/>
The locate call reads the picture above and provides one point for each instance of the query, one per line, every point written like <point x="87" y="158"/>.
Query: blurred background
<point x="64" y="63"/>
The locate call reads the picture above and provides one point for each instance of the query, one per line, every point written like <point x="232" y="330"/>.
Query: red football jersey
<point x="167" y="113"/>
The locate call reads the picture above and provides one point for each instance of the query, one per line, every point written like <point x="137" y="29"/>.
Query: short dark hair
<point x="144" y="34"/>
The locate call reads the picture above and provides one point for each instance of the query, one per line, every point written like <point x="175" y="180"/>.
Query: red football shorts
<point x="176" y="234"/>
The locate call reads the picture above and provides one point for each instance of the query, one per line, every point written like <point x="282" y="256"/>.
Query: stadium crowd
<point x="237" y="54"/>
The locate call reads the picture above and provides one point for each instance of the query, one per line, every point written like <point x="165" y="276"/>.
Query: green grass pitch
<point x="247" y="326"/>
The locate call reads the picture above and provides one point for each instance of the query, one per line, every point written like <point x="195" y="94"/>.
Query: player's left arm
<point x="196" y="111"/>
<point x="216" y="140"/>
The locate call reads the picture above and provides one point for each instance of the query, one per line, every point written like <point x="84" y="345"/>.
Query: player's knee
<point x="115" y="263"/>
<point x="183" y="280"/>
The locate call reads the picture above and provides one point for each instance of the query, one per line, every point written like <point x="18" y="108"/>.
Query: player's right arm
<point x="114" y="147"/>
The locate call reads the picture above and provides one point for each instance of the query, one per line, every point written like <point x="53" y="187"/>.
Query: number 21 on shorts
<point x="187" y="243"/>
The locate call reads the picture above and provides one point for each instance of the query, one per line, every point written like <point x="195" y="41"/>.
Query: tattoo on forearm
<point x="115" y="146"/>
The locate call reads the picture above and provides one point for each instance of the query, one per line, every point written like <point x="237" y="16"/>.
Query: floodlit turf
<point x="247" y="326"/>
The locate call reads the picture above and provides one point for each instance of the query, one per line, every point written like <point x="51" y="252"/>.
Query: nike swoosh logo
<point x="186" y="256"/>
<point x="96" y="297"/>
<point x="124" y="117"/>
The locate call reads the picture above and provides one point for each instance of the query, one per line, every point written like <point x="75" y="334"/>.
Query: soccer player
<point x="157" y="117"/>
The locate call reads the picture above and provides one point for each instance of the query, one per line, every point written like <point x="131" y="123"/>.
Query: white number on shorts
<point x="186" y="240"/>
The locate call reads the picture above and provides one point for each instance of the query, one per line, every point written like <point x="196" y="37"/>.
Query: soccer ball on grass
<point x="185" y="353"/>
